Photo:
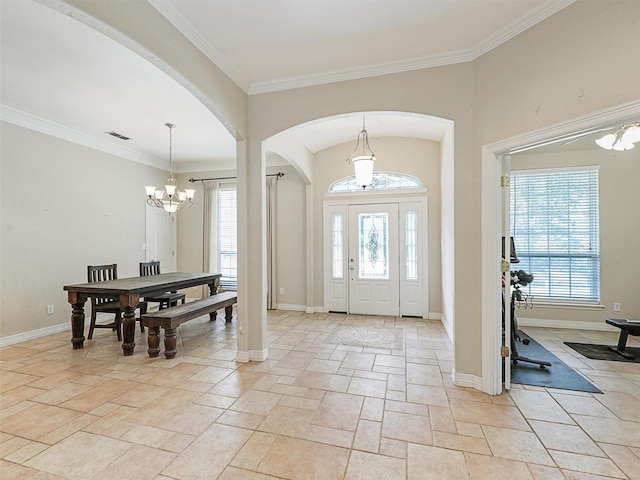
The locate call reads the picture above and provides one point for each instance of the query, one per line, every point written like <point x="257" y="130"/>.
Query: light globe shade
<point x="171" y="189"/>
<point x="632" y="134"/>
<point x="364" y="169"/>
<point x="170" y="207"/>
<point x="607" y="141"/>
<point x="150" y="189"/>
<point x="622" y="146"/>
<point x="191" y="192"/>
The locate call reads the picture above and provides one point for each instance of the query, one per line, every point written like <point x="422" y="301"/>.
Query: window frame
<point x="227" y="282"/>
<point x="575" y="214"/>
<point x="381" y="181"/>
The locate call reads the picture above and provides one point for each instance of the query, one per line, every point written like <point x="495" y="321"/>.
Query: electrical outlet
<point x="49" y="309"/>
<point x="281" y="291"/>
<point x="616" y="307"/>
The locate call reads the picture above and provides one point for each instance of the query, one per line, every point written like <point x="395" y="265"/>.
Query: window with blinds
<point x="227" y="238"/>
<point x="555" y="225"/>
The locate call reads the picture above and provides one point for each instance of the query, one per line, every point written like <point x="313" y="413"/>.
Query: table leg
<point x="129" y="303"/>
<point x="77" y="319"/>
<point x="170" y="342"/>
<point x="213" y="286"/>
<point x="213" y="289"/>
<point x="154" y="341"/>
<point x="228" y="313"/>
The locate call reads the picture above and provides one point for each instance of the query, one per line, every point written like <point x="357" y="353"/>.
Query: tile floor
<point x="314" y="410"/>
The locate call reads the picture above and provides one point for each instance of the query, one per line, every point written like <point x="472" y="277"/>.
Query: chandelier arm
<point x="154" y="203"/>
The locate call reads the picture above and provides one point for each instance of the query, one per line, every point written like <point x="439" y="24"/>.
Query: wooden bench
<point x="170" y="318"/>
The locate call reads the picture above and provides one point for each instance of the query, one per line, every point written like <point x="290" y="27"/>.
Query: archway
<point x="299" y="145"/>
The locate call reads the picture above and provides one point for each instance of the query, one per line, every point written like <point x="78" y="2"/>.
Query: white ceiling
<point x="62" y="77"/>
<point x="278" y="44"/>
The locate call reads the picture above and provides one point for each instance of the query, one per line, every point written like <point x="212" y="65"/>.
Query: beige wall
<point x="64" y="206"/>
<point x="291" y="254"/>
<point x="619" y="173"/>
<point x="290" y="248"/>
<point x="573" y="63"/>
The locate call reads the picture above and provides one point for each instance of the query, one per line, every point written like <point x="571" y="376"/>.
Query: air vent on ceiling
<point x="117" y="135"/>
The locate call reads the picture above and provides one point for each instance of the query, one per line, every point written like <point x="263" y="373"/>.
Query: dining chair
<point x="99" y="273"/>
<point x="164" y="299"/>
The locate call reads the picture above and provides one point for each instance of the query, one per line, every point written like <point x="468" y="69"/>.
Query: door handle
<point x="352" y="267"/>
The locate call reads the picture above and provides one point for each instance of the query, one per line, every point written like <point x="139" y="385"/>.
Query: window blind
<point x="555" y="225"/>
<point x="227" y="238"/>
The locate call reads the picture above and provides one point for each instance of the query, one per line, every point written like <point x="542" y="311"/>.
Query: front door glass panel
<point x="373" y="247"/>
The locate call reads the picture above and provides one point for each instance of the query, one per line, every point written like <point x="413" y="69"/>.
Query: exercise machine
<point x="518" y="279"/>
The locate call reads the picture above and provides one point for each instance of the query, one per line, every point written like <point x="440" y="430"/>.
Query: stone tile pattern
<point x="316" y="409"/>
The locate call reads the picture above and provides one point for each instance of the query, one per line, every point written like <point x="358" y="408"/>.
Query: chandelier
<point x="363" y="161"/>
<point x="170" y="199"/>
<point x="624" y="139"/>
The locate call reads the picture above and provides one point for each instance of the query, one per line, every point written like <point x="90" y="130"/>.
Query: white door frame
<point x="491" y="249"/>
<point x="415" y="199"/>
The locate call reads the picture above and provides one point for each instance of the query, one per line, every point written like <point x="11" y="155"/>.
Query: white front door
<point x="373" y="260"/>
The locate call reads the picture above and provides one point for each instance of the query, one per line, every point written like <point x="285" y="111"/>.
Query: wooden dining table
<point x="128" y="292"/>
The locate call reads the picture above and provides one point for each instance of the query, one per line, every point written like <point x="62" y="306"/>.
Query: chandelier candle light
<point x="363" y="163"/>
<point x="170" y="199"/>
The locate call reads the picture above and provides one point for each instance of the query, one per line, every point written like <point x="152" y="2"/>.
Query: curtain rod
<point x="193" y="180"/>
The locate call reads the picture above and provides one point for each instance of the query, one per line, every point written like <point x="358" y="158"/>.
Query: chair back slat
<point x="150" y="268"/>
<point x="101" y="273"/>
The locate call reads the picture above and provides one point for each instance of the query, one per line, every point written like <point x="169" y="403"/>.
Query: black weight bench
<point x="626" y="328"/>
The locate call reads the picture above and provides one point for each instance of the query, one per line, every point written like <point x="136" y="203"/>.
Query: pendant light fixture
<point x="363" y="159"/>
<point x="170" y="199"/>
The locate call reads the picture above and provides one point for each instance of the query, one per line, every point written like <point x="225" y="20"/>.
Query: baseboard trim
<point x="568" y="324"/>
<point x="466" y="380"/>
<point x="321" y="309"/>
<point x="53" y="329"/>
<point x="34" y="334"/>
<point x="293" y="307"/>
<point x="252" y="356"/>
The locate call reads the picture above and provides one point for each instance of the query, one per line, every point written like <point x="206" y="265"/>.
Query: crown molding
<point x="506" y="33"/>
<point x="362" y="71"/>
<point x="33" y="122"/>
<point x="205" y="166"/>
<point x="415" y="63"/>
<point x="173" y="16"/>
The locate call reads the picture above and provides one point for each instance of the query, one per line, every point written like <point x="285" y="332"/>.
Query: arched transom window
<point x="381" y="181"/>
